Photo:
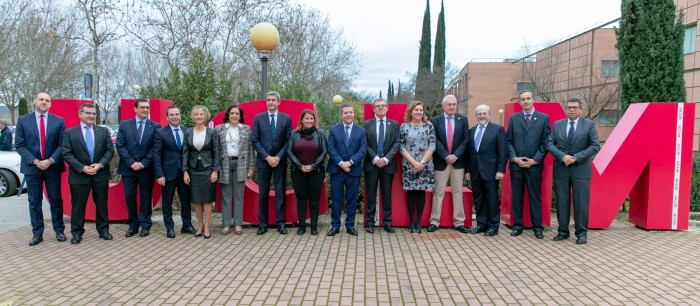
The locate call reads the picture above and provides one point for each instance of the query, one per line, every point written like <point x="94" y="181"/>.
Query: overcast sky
<point x="387" y="32"/>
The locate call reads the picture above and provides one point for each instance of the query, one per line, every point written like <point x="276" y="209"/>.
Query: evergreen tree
<point x="97" y="114"/>
<point x="438" y="76"/>
<point x="23" y="107"/>
<point x="650" y="49"/>
<point x="423" y="83"/>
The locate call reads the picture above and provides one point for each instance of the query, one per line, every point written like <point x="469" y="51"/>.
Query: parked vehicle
<point x="10" y="177"/>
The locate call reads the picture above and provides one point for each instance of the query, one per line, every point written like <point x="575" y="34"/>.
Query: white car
<point x="10" y="178"/>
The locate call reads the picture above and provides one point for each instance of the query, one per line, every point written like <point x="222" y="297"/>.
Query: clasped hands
<point x="568" y="160"/>
<point x="92" y="169"/>
<point x="346" y="166"/>
<point x="136" y="166"/>
<point x="525" y="162"/>
<point x="42" y="164"/>
<point x="273" y="161"/>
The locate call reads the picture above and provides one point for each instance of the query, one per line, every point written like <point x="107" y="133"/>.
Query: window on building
<point x="608" y="117"/>
<point x="522" y="86"/>
<point x="610" y="68"/>
<point x="689" y="39"/>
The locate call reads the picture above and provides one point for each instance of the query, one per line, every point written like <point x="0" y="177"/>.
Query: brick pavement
<point x="621" y="265"/>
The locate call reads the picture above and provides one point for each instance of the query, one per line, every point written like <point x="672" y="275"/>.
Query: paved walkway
<point x="621" y="265"/>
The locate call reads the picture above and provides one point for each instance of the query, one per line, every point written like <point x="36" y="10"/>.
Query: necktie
<point x="347" y="135"/>
<point x="140" y="130"/>
<point x="450" y="134"/>
<point x="477" y="141"/>
<point x="380" y="140"/>
<point x="179" y="146"/>
<point x="571" y="132"/>
<point x="272" y="124"/>
<point x="42" y="136"/>
<point x="527" y="120"/>
<point x="89" y="144"/>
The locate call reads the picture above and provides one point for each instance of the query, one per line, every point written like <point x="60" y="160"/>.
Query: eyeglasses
<point x="572" y="107"/>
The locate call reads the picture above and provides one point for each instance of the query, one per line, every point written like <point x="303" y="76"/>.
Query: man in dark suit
<point x="573" y="143"/>
<point x="488" y="155"/>
<point x="347" y="146"/>
<point x="270" y="133"/>
<point x="87" y="148"/>
<point x="167" y="163"/>
<point x="5" y="137"/>
<point x="527" y="135"/>
<point x="452" y="135"/>
<point x="380" y="162"/>
<point x="38" y="138"/>
<point x="134" y="145"/>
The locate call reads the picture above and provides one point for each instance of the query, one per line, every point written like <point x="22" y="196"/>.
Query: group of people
<point x="434" y="152"/>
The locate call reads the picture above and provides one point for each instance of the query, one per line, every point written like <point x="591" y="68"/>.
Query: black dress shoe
<point x="333" y="231"/>
<point x="188" y="230"/>
<point x="491" y="232"/>
<point x="352" y="231"/>
<point x="144" y="232"/>
<point x="106" y="236"/>
<point x="301" y="231"/>
<point x="539" y="235"/>
<point x="370" y="229"/>
<point x="262" y="230"/>
<point x="314" y="231"/>
<point x="171" y="233"/>
<point x="560" y="237"/>
<point x="36" y="240"/>
<point x="462" y="229"/>
<point x="207" y="236"/>
<point x="478" y="229"/>
<point x="516" y="232"/>
<point x="282" y="230"/>
<point x="388" y="228"/>
<point x="131" y="232"/>
<point x="76" y="239"/>
<point x="60" y="237"/>
<point x="432" y="228"/>
<point x="581" y="240"/>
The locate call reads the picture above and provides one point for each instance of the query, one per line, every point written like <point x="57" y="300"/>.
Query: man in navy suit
<point x="270" y="133"/>
<point x="347" y="146"/>
<point x="527" y="134"/>
<point x="167" y="162"/>
<point x="573" y="143"/>
<point x="134" y="145"/>
<point x="38" y="139"/>
<point x="488" y="154"/>
<point x="452" y="135"/>
<point x="88" y="149"/>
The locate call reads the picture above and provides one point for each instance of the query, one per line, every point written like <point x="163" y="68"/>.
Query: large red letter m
<point x="648" y="157"/>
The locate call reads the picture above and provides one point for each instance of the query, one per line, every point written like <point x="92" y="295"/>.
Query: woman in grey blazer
<point x="201" y="165"/>
<point x="237" y="164"/>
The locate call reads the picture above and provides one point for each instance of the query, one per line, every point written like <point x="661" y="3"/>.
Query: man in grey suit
<point x="527" y="135"/>
<point x="573" y="143"/>
<point x="380" y="162"/>
<point x="270" y="133"/>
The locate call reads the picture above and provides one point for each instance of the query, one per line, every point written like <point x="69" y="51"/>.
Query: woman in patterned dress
<point x="417" y="137"/>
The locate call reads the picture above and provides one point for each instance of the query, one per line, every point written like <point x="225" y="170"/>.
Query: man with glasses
<point x="573" y="143"/>
<point x="380" y="162"/>
<point x="87" y="148"/>
<point x="135" y="148"/>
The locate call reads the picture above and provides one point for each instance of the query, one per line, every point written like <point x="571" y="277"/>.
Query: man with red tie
<point x="38" y="138"/>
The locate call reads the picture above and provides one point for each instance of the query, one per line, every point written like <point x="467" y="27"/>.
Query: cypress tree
<point x="23" y="107"/>
<point x="423" y="76"/>
<point x="650" y="49"/>
<point x="438" y="77"/>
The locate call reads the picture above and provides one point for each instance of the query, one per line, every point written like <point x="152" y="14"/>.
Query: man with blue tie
<point x="38" y="138"/>
<point x="347" y="146"/>
<point x="88" y="149"/>
<point x="167" y="162"/>
<point x="134" y="145"/>
<point x="270" y="133"/>
<point x="573" y="143"/>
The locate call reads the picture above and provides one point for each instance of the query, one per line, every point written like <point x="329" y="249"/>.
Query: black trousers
<point x="183" y="191"/>
<point x="279" y="176"/>
<point x="519" y="181"/>
<point x="79" y="196"/>
<point x="578" y="190"/>
<point x="139" y="213"/>
<point x="307" y="188"/>
<point x="488" y="208"/>
<point x="373" y="180"/>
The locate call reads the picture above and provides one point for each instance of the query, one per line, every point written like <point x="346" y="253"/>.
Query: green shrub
<point x="695" y="185"/>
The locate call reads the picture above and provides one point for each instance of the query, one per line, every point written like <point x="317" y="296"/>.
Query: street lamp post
<point x="264" y="37"/>
<point x="500" y="115"/>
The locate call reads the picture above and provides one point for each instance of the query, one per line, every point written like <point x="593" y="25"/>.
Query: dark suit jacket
<point x="166" y="154"/>
<point x="527" y="141"/>
<point x="76" y="155"/>
<point x="5" y="139"/>
<point x="460" y="141"/>
<point x="338" y="151"/>
<point x="265" y="144"/>
<point x="27" y="143"/>
<point x="583" y="148"/>
<point x="391" y="143"/>
<point x="209" y="154"/>
<point x="493" y="152"/>
<point x="129" y="149"/>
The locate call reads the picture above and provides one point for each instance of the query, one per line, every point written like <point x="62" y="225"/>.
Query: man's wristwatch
<point x="52" y="161"/>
